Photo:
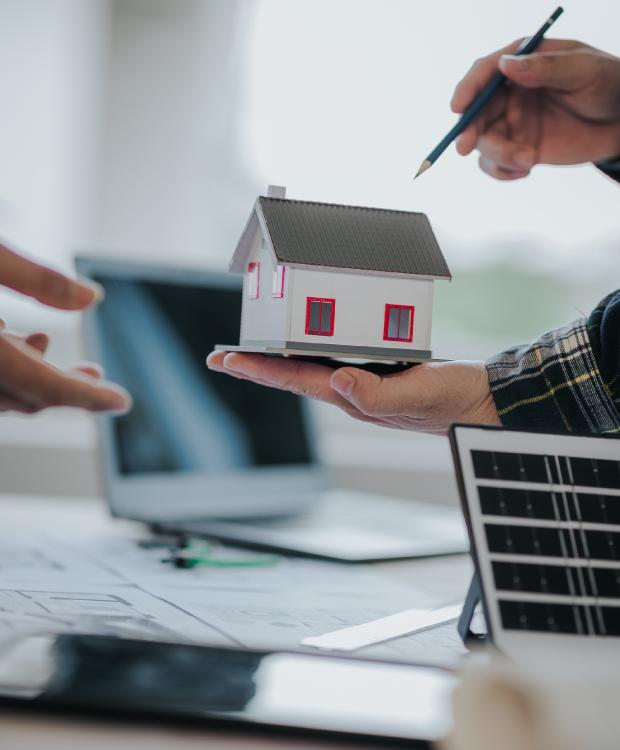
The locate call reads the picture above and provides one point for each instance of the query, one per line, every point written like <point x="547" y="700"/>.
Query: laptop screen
<point x="154" y="337"/>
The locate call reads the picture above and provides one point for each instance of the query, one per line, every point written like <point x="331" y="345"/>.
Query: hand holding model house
<point x="345" y="281"/>
<point x="427" y="398"/>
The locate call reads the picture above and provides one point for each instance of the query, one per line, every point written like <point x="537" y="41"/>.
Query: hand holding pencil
<point x="562" y="107"/>
<point x="558" y="105"/>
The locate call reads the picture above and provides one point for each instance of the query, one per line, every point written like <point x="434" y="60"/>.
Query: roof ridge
<point x="342" y="205"/>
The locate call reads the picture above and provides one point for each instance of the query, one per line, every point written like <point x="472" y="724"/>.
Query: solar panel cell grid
<point x="529" y="540"/>
<point x="516" y="467"/>
<point x="551" y="523"/>
<point x="592" y="472"/>
<point x="550" y="579"/>
<point x="560" y="618"/>
<point x="596" y="508"/>
<point x="543" y="617"/>
<point x="571" y="580"/>
<point x="512" y="467"/>
<point x="505" y="501"/>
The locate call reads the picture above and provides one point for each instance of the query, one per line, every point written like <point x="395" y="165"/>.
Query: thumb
<point x="371" y="394"/>
<point x="563" y="70"/>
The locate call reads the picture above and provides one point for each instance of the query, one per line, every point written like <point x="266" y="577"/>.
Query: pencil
<point x="485" y="96"/>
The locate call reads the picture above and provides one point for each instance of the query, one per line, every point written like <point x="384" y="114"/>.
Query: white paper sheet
<point x="384" y="629"/>
<point x="103" y="583"/>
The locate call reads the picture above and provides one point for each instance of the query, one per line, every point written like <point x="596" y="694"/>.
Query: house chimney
<point x="276" y="191"/>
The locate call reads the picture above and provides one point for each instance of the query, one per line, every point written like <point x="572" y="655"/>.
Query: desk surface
<point x="444" y="576"/>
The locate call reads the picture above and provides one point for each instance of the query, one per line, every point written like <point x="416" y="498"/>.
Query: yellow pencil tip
<point x="423" y="167"/>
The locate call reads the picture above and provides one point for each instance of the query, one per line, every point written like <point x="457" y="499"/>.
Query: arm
<point x="567" y="380"/>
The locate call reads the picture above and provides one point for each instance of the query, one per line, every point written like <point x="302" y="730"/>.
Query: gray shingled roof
<point x="369" y="239"/>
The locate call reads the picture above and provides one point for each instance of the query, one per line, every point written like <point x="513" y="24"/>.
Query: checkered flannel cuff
<point x="553" y="384"/>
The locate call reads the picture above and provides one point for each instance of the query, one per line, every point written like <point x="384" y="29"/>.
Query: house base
<point x="340" y="352"/>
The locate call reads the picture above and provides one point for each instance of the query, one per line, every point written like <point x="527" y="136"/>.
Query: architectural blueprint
<point x="108" y="584"/>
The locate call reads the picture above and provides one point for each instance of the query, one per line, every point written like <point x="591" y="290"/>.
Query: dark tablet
<point x="292" y="692"/>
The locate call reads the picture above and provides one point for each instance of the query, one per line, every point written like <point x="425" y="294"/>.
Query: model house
<point x="338" y="281"/>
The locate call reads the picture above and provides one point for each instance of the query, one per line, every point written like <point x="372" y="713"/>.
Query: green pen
<point x="198" y="553"/>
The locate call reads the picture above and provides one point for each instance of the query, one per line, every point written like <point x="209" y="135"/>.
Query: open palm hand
<point x="425" y="398"/>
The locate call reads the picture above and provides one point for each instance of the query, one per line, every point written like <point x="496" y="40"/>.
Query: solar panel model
<point x="543" y="515"/>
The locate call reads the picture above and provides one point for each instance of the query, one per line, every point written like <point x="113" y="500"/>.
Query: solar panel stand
<point x="472" y="600"/>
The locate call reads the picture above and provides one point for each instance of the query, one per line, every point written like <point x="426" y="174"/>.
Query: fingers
<point x="404" y="394"/>
<point x="482" y="70"/>
<point x="503" y="158"/>
<point x="468" y="139"/>
<point x="215" y="361"/>
<point x="45" y="285"/>
<point x="34" y="382"/>
<point x="302" y="378"/>
<point x="35" y="343"/>
<point x="91" y="369"/>
<point x="38" y="341"/>
<point x="560" y="70"/>
<point x="372" y="394"/>
<point x="8" y="403"/>
<point x="477" y="77"/>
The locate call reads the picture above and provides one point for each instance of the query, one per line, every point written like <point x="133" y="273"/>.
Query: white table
<point x="448" y="576"/>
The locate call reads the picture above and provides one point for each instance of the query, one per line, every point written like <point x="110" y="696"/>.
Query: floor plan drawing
<point x="57" y="581"/>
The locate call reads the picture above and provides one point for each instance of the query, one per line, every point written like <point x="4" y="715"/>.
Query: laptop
<point x="204" y="454"/>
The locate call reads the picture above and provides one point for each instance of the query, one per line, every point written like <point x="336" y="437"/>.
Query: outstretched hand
<point x="426" y="398"/>
<point x="561" y="106"/>
<point x="28" y="383"/>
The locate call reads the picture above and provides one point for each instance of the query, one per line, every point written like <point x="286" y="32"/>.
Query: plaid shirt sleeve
<point x="566" y="380"/>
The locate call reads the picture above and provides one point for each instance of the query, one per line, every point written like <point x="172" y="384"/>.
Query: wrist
<point x="485" y="411"/>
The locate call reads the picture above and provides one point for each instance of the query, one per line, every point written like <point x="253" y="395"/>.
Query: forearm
<point x="567" y="380"/>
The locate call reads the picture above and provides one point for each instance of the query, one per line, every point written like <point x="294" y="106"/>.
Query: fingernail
<point x="343" y="382"/>
<point x="524" y="157"/>
<point x="123" y="400"/>
<point x="523" y="61"/>
<point x="229" y="362"/>
<point x="96" y="290"/>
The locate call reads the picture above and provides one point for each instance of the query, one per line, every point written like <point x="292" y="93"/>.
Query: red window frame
<point x="278" y="281"/>
<point x="322" y="300"/>
<point x="253" y="280"/>
<point x="386" y="323"/>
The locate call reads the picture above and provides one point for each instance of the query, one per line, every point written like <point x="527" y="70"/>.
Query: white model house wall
<point x="263" y="319"/>
<point x="360" y="306"/>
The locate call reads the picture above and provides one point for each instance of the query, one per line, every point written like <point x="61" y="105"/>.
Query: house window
<point x="320" y="313"/>
<point x="278" y="281"/>
<point x="398" y="323"/>
<point x="253" y="280"/>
